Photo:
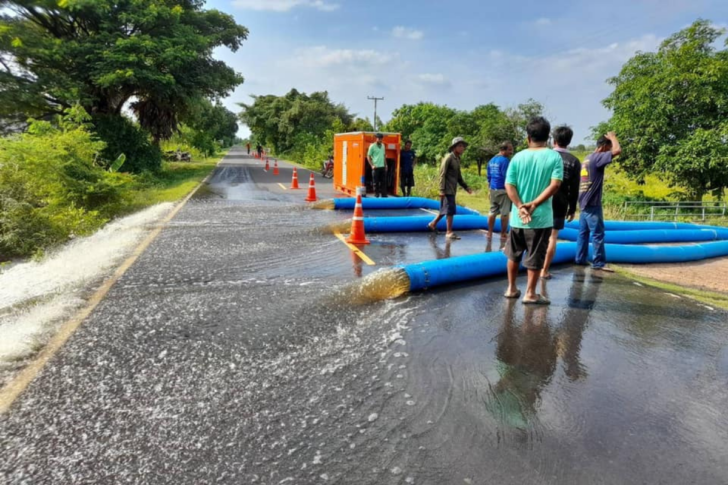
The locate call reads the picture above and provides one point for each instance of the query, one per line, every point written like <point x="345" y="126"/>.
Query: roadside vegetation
<point x="106" y="108"/>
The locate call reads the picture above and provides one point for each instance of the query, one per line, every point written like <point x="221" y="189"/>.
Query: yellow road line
<point x="356" y="250"/>
<point x="16" y="386"/>
<point x="283" y="186"/>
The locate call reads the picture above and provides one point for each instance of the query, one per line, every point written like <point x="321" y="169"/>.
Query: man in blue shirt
<point x="500" y="204"/>
<point x="407" y="162"/>
<point x="591" y="219"/>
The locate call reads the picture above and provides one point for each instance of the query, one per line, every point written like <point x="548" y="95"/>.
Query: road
<point x="231" y="352"/>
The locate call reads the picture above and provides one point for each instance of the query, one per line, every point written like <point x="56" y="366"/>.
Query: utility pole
<point x="375" y="99"/>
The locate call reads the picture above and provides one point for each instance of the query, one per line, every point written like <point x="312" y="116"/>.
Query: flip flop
<point x="453" y="236"/>
<point x="432" y="228"/>
<point x="547" y="277"/>
<point x="606" y="269"/>
<point x="540" y="300"/>
<point x="515" y="295"/>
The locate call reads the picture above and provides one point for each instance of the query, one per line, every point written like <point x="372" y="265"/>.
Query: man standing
<point x="591" y="220"/>
<point x="259" y="148"/>
<point x="450" y="177"/>
<point x="565" y="200"/>
<point x="534" y="176"/>
<point x="376" y="158"/>
<point x="248" y="147"/>
<point x="407" y="162"/>
<point x="500" y="204"/>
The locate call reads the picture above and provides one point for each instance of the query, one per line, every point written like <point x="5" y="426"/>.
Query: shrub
<point x="121" y="135"/>
<point x="51" y="185"/>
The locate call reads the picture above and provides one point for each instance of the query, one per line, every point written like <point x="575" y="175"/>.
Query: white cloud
<point x="322" y="56"/>
<point x="285" y="5"/>
<point x="407" y="33"/>
<point x="433" y="80"/>
<point x="543" y="21"/>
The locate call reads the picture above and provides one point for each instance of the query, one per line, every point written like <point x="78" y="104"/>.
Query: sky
<point x="460" y="53"/>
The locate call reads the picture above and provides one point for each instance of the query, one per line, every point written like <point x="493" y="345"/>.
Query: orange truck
<point x="351" y="169"/>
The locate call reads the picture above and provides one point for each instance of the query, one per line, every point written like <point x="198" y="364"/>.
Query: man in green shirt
<point x="376" y="158"/>
<point x="534" y="176"/>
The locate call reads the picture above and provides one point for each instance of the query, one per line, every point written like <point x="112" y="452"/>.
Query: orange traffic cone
<point x="357" y="235"/>
<point x="267" y="166"/>
<point x="311" y="190"/>
<point x="275" y="167"/>
<point x="294" y="182"/>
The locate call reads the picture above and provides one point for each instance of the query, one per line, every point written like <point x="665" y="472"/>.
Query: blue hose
<point x="397" y="203"/>
<point x="419" y="224"/>
<point x="656" y="236"/>
<point x="440" y="272"/>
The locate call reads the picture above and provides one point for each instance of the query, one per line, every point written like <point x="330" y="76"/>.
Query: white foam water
<point x="36" y="295"/>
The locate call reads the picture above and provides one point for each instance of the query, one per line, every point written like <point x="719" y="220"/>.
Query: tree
<point x="670" y="108"/>
<point x="279" y="121"/>
<point x="427" y="125"/>
<point x="103" y="53"/>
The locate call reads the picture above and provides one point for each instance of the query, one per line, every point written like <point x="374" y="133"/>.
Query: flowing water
<point x="248" y="346"/>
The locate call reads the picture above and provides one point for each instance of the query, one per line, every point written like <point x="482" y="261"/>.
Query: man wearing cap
<point x="376" y="158"/>
<point x="450" y="178"/>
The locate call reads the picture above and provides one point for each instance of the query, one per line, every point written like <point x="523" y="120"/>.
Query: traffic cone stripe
<point x="357" y="235"/>
<point x="311" y="190"/>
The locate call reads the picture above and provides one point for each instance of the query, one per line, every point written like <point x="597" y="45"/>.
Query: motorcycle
<point x="327" y="171"/>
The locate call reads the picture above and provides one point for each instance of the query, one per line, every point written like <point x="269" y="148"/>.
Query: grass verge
<point x="172" y="183"/>
<point x="707" y="297"/>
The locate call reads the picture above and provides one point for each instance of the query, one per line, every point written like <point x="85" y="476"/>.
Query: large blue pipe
<point x="654" y="236"/>
<point x="396" y="203"/>
<point x="441" y="272"/>
<point x="626" y="232"/>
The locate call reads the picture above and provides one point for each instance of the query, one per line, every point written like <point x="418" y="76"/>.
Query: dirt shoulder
<point x="704" y="280"/>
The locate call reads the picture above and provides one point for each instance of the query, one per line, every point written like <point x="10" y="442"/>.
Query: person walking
<point x="407" y="162"/>
<point x="534" y="176"/>
<point x="450" y="178"/>
<point x="247" y="145"/>
<point x="565" y="200"/>
<point x="259" y="149"/>
<point x="377" y="160"/>
<point x="591" y="219"/>
<point x="500" y="204"/>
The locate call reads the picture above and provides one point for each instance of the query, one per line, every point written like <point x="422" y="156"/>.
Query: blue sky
<point x="461" y="53"/>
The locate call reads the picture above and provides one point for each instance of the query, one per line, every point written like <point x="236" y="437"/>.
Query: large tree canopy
<point x="102" y="53"/>
<point x="671" y="110"/>
<point x="278" y="121"/>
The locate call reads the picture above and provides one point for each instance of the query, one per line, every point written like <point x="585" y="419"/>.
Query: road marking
<point x="356" y="250"/>
<point x="20" y="383"/>
<point x="283" y="186"/>
<point x="430" y="211"/>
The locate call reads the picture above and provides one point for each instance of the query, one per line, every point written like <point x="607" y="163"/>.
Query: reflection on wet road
<point x="226" y="355"/>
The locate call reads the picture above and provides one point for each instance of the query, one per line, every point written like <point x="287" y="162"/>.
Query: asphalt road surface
<point x="232" y="353"/>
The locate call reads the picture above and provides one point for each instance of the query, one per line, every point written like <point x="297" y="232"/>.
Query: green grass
<point x="172" y="183"/>
<point x="707" y="297"/>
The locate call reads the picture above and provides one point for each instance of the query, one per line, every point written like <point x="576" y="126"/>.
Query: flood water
<point x="231" y="353"/>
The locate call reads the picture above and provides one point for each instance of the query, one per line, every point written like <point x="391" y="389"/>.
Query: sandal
<point x="432" y="228"/>
<point x="540" y="300"/>
<point x="513" y="296"/>
<point x="547" y="276"/>
<point x="453" y="236"/>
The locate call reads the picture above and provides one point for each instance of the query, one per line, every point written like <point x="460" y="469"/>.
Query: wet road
<point x="229" y="354"/>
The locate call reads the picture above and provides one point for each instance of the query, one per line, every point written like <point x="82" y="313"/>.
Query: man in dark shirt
<point x="565" y="200"/>
<point x="591" y="221"/>
<point x="450" y="178"/>
<point x="407" y="162"/>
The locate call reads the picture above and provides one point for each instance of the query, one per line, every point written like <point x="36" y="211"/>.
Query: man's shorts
<point x="407" y="179"/>
<point x="559" y="223"/>
<point x="500" y="204"/>
<point x="447" y="205"/>
<point x="534" y="242"/>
